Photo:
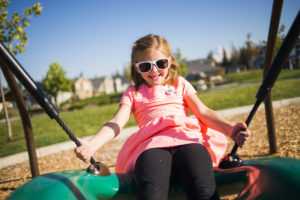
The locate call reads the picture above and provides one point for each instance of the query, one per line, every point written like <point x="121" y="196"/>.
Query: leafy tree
<point x="116" y="75"/>
<point x="56" y="81"/>
<point x="235" y="57"/>
<point x="248" y="52"/>
<point x="182" y="62"/>
<point x="225" y="61"/>
<point x="12" y="31"/>
<point x="279" y="39"/>
<point x="13" y="34"/>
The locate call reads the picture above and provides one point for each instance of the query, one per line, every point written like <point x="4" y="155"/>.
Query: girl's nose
<point x="154" y="68"/>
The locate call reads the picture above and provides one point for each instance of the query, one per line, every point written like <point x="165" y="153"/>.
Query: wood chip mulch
<point x="287" y="128"/>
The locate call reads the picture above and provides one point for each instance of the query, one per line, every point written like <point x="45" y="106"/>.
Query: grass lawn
<point x="241" y="96"/>
<point x="87" y="121"/>
<point x="253" y="76"/>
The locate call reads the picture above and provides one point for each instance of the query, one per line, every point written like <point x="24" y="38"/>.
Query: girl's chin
<point x="153" y="82"/>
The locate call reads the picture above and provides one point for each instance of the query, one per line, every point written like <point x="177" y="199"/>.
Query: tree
<point x="249" y="52"/>
<point x="56" y="81"/>
<point x="13" y="34"/>
<point x="12" y="31"/>
<point x="116" y="75"/>
<point x="182" y="63"/>
<point x="235" y="57"/>
<point x="225" y="61"/>
<point x="211" y="59"/>
<point x="279" y="39"/>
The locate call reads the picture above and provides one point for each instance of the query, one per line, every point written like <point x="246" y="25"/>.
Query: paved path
<point x="125" y="133"/>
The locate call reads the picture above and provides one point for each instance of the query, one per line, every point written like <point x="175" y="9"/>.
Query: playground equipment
<point x="269" y="178"/>
<point x="232" y="159"/>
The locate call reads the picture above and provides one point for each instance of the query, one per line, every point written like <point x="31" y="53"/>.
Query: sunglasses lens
<point x="162" y="64"/>
<point x="145" y="67"/>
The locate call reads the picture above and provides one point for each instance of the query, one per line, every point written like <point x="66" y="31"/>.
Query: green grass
<point x="253" y="76"/>
<point x="82" y="123"/>
<point x="241" y="96"/>
<point x="87" y="121"/>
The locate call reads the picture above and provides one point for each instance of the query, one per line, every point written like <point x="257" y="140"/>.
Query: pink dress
<point x="163" y="120"/>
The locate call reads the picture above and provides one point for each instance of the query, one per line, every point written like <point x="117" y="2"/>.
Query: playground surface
<point x="288" y="143"/>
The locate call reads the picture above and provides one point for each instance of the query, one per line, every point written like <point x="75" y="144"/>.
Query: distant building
<point x="201" y="69"/>
<point x="259" y="61"/>
<point x="218" y="54"/>
<point x="120" y="84"/>
<point x="292" y="62"/>
<point x="94" y="87"/>
<point x="83" y="88"/>
<point x="103" y="85"/>
<point x="9" y="100"/>
<point x="294" y="59"/>
<point x="63" y="96"/>
<point x="236" y="69"/>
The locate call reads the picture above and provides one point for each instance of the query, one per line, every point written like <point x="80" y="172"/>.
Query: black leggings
<point x="190" y="165"/>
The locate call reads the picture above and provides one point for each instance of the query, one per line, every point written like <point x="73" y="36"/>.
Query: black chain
<point x="71" y="135"/>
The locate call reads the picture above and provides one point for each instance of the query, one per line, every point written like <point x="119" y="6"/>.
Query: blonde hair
<point x="145" y="44"/>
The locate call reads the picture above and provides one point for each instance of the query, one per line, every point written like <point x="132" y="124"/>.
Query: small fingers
<point x="243" y="125"/>
<point x="83" y="152"/>
<point x="84" y="156"/>
<point x="242" y="137"/>
<point x="240" y="133"/>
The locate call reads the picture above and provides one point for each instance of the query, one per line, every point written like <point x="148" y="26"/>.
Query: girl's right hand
<point x="84" y="152"/>
<point x="240" y="133"/>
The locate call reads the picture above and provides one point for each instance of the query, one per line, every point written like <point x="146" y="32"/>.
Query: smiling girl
<point x="170" y="144"/>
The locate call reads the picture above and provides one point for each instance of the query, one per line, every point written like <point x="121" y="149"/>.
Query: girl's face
<point x="155" y="76"/>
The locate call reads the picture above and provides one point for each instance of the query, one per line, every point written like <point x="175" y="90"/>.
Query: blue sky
<point x="95" y="37"/>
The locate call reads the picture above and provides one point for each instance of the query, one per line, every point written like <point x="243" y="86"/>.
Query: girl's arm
<point x="108" y="132"/>
<point x="215" y="121"/>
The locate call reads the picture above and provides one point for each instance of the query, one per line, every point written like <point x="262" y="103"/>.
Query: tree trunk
<point x="9" y="132"/>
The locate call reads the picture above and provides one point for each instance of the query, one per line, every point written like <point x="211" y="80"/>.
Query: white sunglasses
<point x="146" y="66"/>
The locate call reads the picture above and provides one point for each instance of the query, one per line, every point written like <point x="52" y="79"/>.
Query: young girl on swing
<point x="169" y="143"/>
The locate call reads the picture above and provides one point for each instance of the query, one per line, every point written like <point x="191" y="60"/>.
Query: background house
<point x="83" y="88"/>
<point x="62" y="96"/>
<point x="103" y="85"/>
<point x="294" y="58"/>
<point x="235" y="68"/>
<point x="9" y="100"/>
<point x="201" y="69"/>
<point x="204" y="74"/>
<point x="121" y="84"/>
<point x="292" y="63"/>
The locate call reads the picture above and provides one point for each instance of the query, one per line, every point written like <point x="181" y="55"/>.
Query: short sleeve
<point x="127" y="97"/>
<point x="188" y="89"/>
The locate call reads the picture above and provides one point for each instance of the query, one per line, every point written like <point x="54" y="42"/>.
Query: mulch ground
<point x="287" y="128"/>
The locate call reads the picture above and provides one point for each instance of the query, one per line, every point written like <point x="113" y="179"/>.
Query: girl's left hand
<point x="240" y="134"/>
<point x="84" y="152"/>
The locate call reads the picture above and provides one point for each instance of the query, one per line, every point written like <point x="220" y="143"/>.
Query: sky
<point x="94" y="38"/>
